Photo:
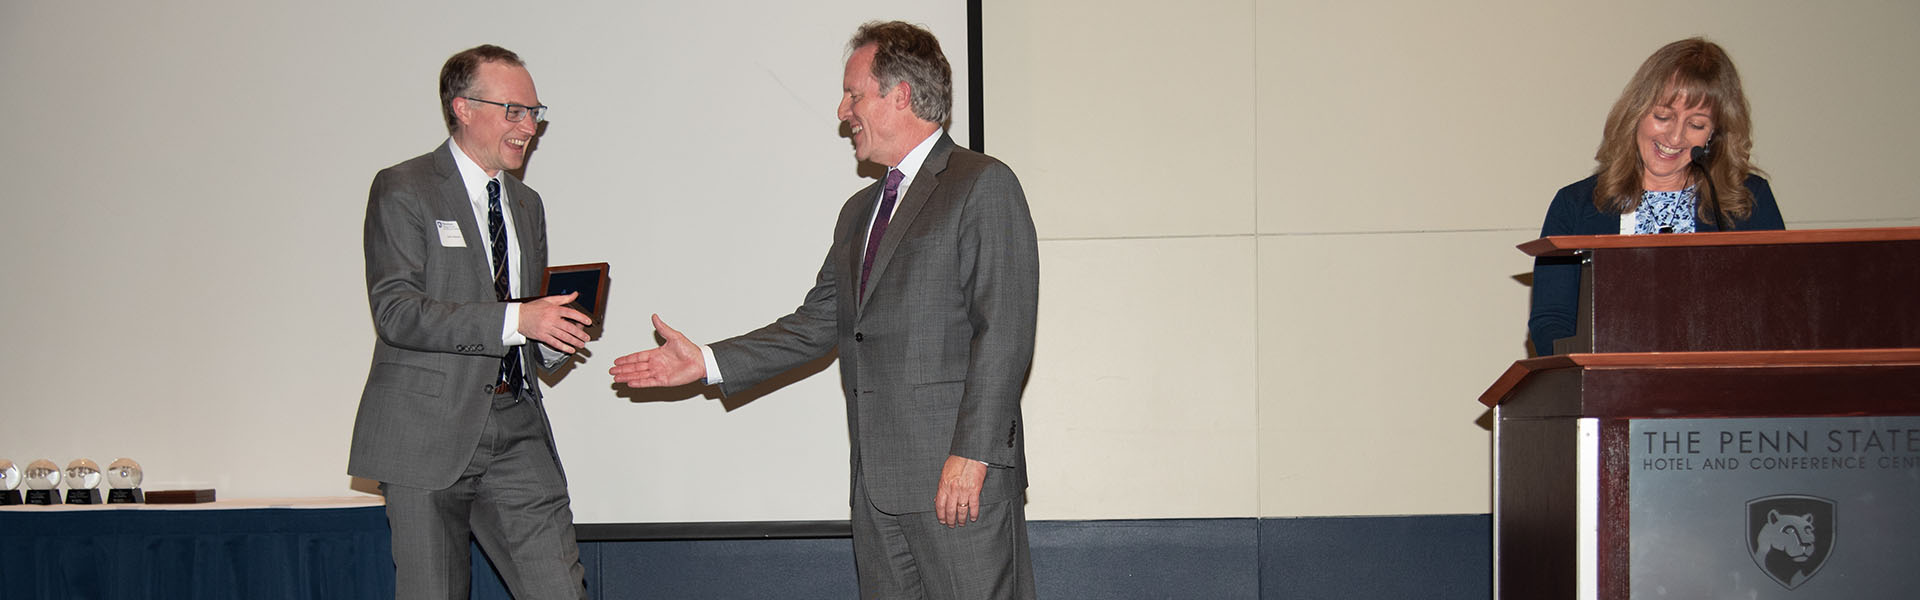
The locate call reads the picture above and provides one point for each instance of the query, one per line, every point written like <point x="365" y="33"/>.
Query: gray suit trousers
<point x="912" y="556"/>
<point x="512" y="498"/>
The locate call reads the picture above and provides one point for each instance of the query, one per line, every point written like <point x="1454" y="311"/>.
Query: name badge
<point x="450" y="234"/>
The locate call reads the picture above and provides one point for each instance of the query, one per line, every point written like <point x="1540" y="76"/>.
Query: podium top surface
<point x="1564" y="245"/>
<point x="1504" y="387"/>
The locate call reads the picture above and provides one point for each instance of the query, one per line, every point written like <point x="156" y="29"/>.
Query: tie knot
<point x="893" y="179"/>
<point x="493" y="189"/>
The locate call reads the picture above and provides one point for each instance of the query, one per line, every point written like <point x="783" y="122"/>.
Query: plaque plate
<point x="590" y="280"/>
<point x="1774" y="508"/>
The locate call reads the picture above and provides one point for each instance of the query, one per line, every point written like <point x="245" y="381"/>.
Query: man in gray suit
<point x="451" y="422"/>
<point x="931" y="306"/>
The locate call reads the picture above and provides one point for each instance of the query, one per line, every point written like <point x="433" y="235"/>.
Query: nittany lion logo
<point x="1790" y="536"/>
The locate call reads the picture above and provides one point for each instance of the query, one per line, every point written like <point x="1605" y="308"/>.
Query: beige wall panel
<point x="1413" y="116"/>
<point x="1833" y="86"/>
<point x="1124" y="119"/>
<point x="1407" y="116"/>
<point x="1141" y="400"/>
<point x="1373" y="351"/>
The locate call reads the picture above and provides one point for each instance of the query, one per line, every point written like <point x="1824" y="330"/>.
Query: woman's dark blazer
<point x="1556" y="280"/>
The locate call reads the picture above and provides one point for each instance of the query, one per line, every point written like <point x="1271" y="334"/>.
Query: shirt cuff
<point x="713" y="366"/>
<point x="510" y="328"/>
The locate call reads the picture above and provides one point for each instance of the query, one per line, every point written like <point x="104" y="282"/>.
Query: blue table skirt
<point x="249" y="554"/>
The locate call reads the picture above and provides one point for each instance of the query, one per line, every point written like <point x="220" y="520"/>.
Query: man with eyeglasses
<point x="451" y="422"/>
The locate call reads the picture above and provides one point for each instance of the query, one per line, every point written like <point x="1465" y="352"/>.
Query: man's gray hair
<point x="910" y="53"/>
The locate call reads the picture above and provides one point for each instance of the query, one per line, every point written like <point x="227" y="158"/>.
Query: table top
<point x="223" y="504"/>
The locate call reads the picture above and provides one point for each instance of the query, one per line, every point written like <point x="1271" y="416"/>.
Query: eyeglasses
<point x="516" y="112"/>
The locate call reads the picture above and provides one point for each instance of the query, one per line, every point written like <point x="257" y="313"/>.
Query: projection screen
<point x="183" y="245"/>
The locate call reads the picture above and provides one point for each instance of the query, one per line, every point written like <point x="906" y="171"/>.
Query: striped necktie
<point x="502" y="283"/>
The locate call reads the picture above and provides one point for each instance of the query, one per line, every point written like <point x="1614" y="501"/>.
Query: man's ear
<point x="902" y="96"/>
<point x="462" y="110"/>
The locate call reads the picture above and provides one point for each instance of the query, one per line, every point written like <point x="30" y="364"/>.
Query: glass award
<point x="42" y="478"/>
<point x="83" y="482"/>
<point x="9" y="483"/>
<point x="123" y="477"/>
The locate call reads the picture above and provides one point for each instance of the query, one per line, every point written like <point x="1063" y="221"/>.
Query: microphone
<point x="1701" y="155"/>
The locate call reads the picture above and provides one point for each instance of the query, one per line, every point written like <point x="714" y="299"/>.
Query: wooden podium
<point x="1737" y="331"/>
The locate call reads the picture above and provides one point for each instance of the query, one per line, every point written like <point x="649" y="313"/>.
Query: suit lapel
<point x="454" y="200"/>
<point x="924" y="184"/>
<point x="523" y="229"/>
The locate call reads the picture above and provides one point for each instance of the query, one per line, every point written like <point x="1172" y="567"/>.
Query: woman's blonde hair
<point x="1699" y="72"/>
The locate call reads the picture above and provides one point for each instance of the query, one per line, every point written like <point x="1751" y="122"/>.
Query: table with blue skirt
<point x="306" y="548"/>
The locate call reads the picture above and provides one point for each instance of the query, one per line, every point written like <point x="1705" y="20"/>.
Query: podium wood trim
<point x="1503" y="388"/>
<point x="1568" y="245"/>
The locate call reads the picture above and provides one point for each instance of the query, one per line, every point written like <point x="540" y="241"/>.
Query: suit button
<point x="859" y="337"/>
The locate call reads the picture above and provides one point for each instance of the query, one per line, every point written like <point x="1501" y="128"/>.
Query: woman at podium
<point x="1674" y="158"/>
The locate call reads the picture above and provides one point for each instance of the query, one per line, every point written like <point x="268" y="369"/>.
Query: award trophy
<point x="83" y="482"/>
<point x="589" y="280"/>
<point x="9" y="483"/>
<point x="124" y="477"/>
<point x="42" y="477"/>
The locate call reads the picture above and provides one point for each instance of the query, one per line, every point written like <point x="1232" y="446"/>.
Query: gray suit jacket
<point x="933" y="363"/>
<point x="437" y="320"/>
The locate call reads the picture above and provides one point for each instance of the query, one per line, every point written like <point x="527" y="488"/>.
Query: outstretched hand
<point x="549" y="321"/>
<point x="676" y="362"/>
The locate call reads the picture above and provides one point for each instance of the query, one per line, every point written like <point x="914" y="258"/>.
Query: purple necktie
<point x="880" y="219"/>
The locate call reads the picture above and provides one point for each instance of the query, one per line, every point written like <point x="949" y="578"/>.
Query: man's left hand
<point x="958" y="502"/>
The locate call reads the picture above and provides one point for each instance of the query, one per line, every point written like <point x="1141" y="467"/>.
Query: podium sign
<point x="1796" y="508"/>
